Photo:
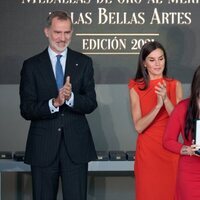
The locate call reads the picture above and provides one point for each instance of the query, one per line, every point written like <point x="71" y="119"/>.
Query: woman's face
<point x="155" y="64"/>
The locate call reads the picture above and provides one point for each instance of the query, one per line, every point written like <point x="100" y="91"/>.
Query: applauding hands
<point x="64" y="93"/>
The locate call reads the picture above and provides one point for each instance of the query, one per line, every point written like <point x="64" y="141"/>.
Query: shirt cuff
<point x="70" y="102"/>
<point x="52" y="108"/>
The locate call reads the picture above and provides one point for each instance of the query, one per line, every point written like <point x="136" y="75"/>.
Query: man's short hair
<point x="60" y="14"/>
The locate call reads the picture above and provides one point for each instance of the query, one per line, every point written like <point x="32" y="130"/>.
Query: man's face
<point x="59" y="34"/>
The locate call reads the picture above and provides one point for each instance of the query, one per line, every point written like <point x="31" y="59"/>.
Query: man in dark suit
<point x="59" y="141"/>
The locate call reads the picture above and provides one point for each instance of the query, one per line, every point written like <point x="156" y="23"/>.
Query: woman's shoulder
<point x="181" y="108"/>
<point x="183" y="104"/>
<point x="172" y="80"/>
<point x="131" y="83"/>
<point x="135" y="83"/>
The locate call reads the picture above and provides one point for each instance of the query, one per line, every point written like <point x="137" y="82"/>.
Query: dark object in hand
<point x="197" y="152"/>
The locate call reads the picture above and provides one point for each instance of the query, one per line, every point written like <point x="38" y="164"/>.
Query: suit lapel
<point x="46" y="69"/>
<point x="71" y="65"/>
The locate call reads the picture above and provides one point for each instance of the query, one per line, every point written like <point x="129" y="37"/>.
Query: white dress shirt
<point x="63" y="59"/>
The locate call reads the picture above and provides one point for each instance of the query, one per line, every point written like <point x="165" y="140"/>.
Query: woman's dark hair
<point x="193" y="108"/>
<point x="142" y="74"/>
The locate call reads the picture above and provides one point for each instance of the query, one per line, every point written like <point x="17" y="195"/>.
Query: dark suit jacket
<point x="37" y="87"/>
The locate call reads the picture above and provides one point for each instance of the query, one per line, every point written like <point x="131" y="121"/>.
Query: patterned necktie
<point x="59" y="72"/>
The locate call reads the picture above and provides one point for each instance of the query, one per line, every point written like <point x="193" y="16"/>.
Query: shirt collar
<point x="53" y="54"/>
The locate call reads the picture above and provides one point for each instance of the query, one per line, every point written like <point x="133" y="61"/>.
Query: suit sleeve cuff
<point x="70" y="102"/>
<point x="52" y="108"/>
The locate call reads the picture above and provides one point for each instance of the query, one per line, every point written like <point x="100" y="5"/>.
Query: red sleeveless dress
<point x="155" y="168"/>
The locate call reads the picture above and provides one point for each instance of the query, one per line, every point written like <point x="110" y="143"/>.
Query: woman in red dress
<point x="182" y="121"/>
<point x="152" y="97"/>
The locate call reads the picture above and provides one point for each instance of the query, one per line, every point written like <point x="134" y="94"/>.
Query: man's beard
<point x="57" y="48"/>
